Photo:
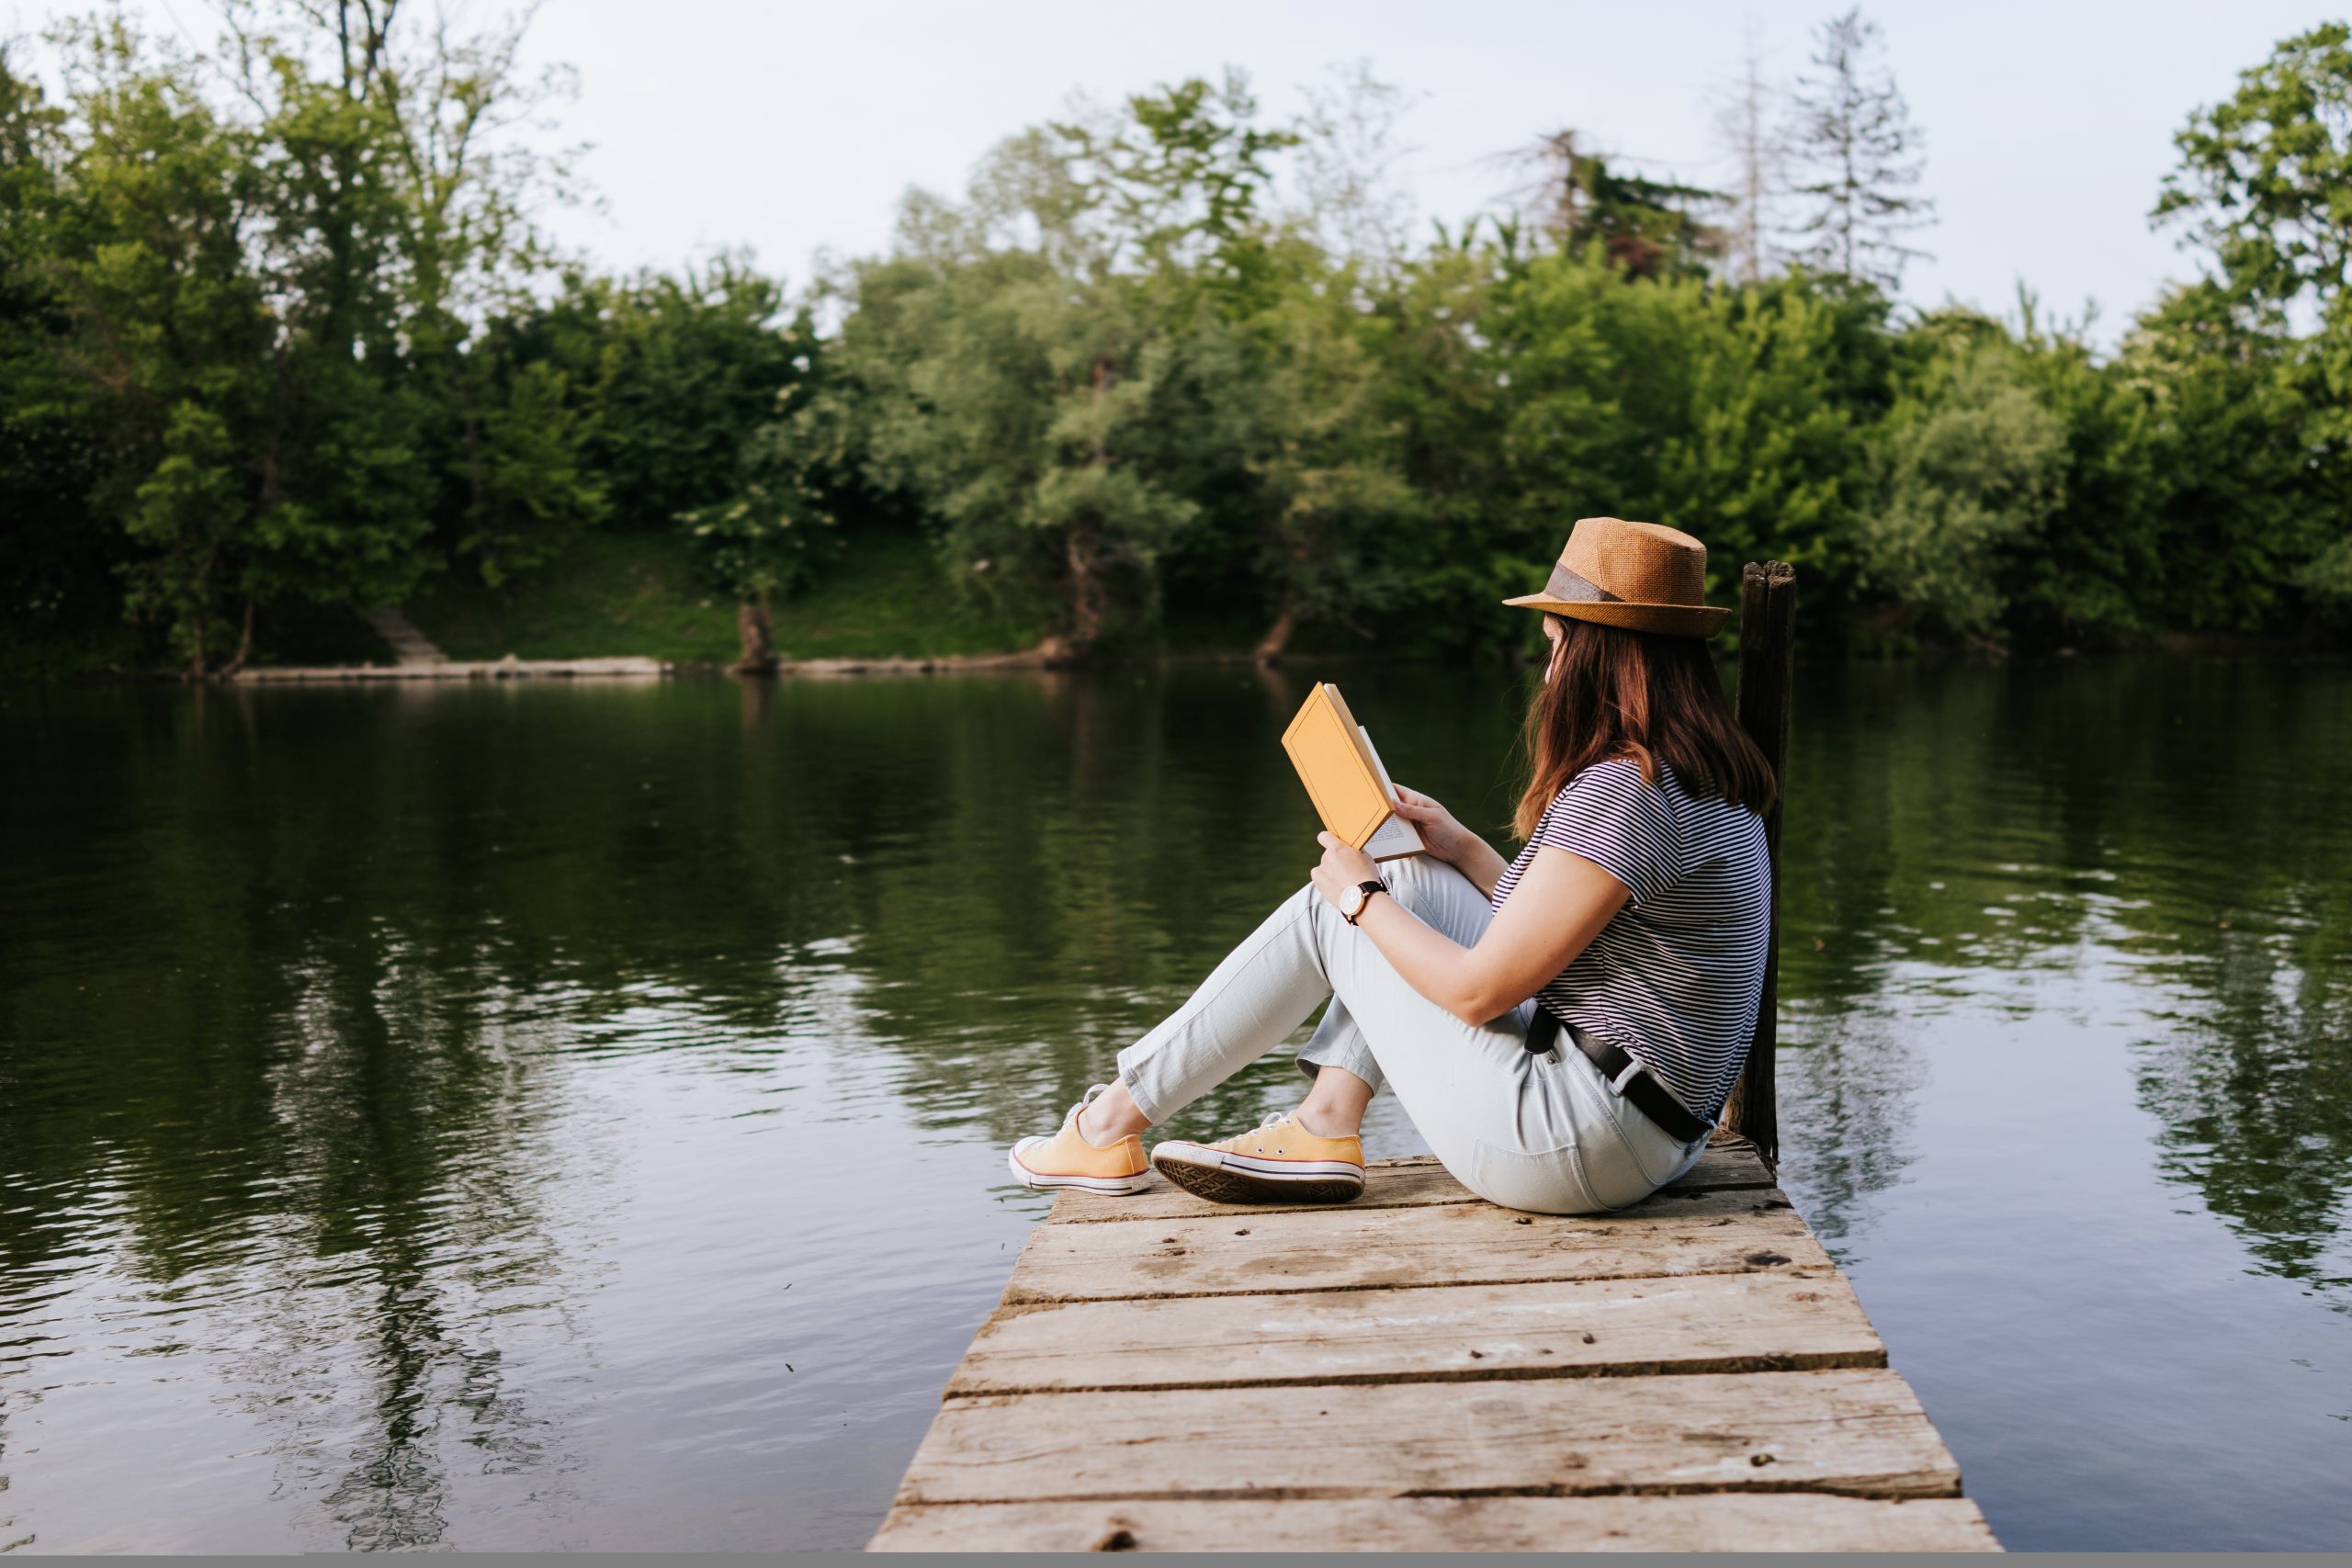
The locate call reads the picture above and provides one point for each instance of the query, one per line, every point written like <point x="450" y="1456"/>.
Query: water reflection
<point x="2256" y="1105"/>
<point x="1850" y="1082"/>
<point x="525" y="1116"/>
<point x="2165" y="826"/>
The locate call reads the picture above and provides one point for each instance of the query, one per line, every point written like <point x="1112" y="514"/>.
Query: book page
<point x="1387" y="787"/>
<point x="1396" y="837"/>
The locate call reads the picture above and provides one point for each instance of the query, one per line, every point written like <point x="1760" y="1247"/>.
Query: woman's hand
<point x="1449" y="841"/>
<point x="1342" y="866"/>
<point x="1446" y="837"/>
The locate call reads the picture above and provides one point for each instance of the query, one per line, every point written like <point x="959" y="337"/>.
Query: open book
<point x="1344" y="778"/>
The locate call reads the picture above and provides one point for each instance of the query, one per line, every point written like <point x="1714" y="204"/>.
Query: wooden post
<point x="1768" y="615"/>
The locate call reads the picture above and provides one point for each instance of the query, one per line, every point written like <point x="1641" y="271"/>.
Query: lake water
<point x="546" y="1116"/>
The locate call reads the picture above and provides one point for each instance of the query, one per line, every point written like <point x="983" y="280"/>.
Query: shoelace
<point x="1277" y="1119"/>
<point x="1084" y="1101"/>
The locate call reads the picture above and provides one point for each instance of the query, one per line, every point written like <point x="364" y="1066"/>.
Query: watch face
<point x="1354" y="905"/>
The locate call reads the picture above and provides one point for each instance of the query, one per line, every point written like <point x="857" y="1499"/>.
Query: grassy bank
<point x="622" y="593"/>
<point x="642" y="594"/>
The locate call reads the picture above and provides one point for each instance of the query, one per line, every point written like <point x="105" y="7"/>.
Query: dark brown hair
<point x="1644" y="696"/>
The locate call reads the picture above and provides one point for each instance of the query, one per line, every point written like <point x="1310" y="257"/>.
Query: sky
<point x="791" y="128"/>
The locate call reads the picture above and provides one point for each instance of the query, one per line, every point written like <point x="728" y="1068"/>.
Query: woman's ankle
<point x="1108" y="1117"/>
<point x="1325" y="1121"/>
<point x="1334" y="1107"/>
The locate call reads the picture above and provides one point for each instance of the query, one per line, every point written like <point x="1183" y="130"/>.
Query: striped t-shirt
<point x="1673" y="979"/>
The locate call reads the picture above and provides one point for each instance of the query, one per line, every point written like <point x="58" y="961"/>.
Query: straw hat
<point x="1642" y="576"/>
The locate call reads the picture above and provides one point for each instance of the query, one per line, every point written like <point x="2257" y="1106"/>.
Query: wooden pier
<point x="1422" y="1370"/>
<point x="1419" y="1370"/>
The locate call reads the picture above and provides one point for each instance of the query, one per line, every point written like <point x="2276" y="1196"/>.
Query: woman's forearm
<point x="1559" y="906"/>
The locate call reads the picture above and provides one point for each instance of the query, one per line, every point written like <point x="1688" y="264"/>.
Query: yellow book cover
<point x="1343" y="777"/>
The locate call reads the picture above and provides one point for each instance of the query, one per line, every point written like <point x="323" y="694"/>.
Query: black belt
<point x="1629" y="1076"/>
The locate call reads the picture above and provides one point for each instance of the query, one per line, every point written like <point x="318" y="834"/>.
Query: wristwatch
<point x="1352" y="905"/>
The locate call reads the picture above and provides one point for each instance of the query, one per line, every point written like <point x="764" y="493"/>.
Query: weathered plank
<point x="1859" y="1433"/>
<point x="1705" y="1522"/>
<point x="1771" y="1319"/>
<point x="1390" y="1184"/>
<point x="1246" y="1252"/>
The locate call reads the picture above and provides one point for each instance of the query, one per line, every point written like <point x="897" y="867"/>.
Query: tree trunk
<point x="1085" y="591"/>
<point x="198" y="663"/>
<point x="1085" y="583"/>
<point x="244" y="642"/>
<point x="757" y="634"/>
<point x="1272" y="646"/>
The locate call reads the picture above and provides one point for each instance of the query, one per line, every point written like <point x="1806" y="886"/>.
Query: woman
<point x="1563" y="1030"/>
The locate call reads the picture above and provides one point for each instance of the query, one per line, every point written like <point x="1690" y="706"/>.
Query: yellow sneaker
<point x="1066" y="1159"/>
<point x="1280" y="1162"/>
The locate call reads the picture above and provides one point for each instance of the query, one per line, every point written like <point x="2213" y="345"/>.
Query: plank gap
<point x="1367" y="1202"/>
<point x="1870" y="1487"/>
<point x="1797" y="1361"/>
<point x="1013" y="1302"/>
<point x="1417" y="1181"/>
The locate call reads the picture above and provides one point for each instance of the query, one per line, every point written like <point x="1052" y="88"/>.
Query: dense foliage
<point x="276" y="332"/>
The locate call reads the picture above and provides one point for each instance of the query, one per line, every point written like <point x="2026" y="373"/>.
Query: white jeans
<point x="1545" y="1132"/>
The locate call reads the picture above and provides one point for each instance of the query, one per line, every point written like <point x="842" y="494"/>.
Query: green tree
<point x="698" y="362"/>
<point x="1016" y="405"/>
<point x="266" y="263"/>
<point x="2265" y="184"/>
<point x="1972" y="462"/>
<point x="55" y="571"/>
<point x="768" y="538"/>
<point x="1278" y="426"/>
<point x="1325" y="467"/>
<point x="526" y="481"/>
<point x="2095" y="567"/>
<point x="1646" y="228"/>
<point x="1018" y="366"/>
<point x="1771" y="459"/>
<point x="1446" y="391"/>
<point x="778" y="483"/>
<point x="2235" y="497"/>
<point x="1738" y="414"/>
<point x="146" y="232"/>
<point x="1171" y="185"/>
<point x="2265" y="180"/>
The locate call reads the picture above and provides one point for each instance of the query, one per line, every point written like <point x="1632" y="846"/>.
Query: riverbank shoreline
<point x="1051" y="656"/>
<point x="634" y="667"/>
<point x="877" y="611"/>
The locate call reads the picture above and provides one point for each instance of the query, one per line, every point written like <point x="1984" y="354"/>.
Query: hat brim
<point x="1674" y="620"/>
